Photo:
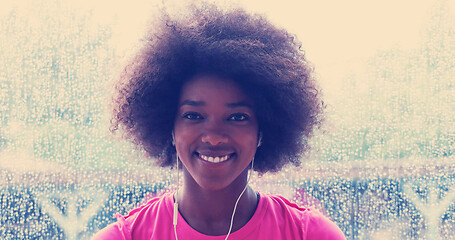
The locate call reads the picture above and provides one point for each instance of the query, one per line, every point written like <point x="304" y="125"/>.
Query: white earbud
<point x="259" y="139"/>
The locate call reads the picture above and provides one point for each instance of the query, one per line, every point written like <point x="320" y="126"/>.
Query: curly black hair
<point x="266" y="61"/>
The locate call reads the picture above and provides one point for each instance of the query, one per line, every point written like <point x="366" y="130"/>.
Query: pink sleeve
<point x="321" y="228"/>
<point x="114" y="231"/>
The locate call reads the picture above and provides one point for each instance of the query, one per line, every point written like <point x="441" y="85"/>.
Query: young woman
<point x="219" y="94"/>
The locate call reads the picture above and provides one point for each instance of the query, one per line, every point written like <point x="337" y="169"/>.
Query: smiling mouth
<point x="218" y="159"/>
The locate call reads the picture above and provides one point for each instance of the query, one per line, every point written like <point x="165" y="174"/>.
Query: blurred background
<point x="382" y="166"/>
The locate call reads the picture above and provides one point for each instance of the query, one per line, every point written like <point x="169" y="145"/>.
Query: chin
<point x="212" y="185"/>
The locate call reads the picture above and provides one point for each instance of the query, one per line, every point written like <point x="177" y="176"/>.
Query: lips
<point x="214" y="158"/>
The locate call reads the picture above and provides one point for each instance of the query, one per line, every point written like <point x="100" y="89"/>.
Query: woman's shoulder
<point x="313" y="223"/>
<point x="153" y="205"/>
<point x="320" y="227"/>
<point x="138" y="219"/>
<point x="280" y="204"/>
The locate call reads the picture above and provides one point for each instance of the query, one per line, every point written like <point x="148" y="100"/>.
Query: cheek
<point x="184" y="137"/>
<point x="248" y="139"/>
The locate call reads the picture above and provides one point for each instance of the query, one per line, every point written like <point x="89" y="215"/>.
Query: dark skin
<point x="209" y="212"/>
<point x="216" y="136"/>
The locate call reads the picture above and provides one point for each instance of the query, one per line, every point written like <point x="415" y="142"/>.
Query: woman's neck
<point x="210" y="211"/>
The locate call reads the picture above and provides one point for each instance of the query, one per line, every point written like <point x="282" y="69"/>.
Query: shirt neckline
<point x="190" y="233"/>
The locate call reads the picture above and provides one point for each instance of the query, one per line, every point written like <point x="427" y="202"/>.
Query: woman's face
<point x="216" y="131"/>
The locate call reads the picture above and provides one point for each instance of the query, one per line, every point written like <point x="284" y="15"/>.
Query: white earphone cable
<point x="176" y="205"/>
<point x="174" y="221"/>
<point x="235" y="206"/>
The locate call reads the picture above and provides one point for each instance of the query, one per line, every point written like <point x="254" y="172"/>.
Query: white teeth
<point x="214" y="159"/>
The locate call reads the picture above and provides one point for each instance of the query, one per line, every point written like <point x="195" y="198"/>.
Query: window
<point x="381" y="166"/>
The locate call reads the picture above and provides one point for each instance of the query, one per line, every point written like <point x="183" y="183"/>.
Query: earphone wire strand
<point x="235" y="206"/>
<point x="176" y="206"/>
<point x="233" y="212"/>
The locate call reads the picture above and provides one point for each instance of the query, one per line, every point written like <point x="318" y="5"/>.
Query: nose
<point x="214" y="136"/>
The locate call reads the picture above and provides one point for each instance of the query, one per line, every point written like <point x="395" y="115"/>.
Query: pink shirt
<point x="275" y="218"/>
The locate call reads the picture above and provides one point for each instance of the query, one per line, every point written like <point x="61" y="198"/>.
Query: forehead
<point x="212" y="88"/>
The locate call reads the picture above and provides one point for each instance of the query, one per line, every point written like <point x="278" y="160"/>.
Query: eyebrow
<point x="239" y="104"/>
<point x="192" y="103"/>
<point x="230" y="105"/>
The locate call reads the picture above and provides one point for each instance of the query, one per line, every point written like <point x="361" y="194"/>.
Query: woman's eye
<point x="239" y="117"/>
<point x="192" y="116"/>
